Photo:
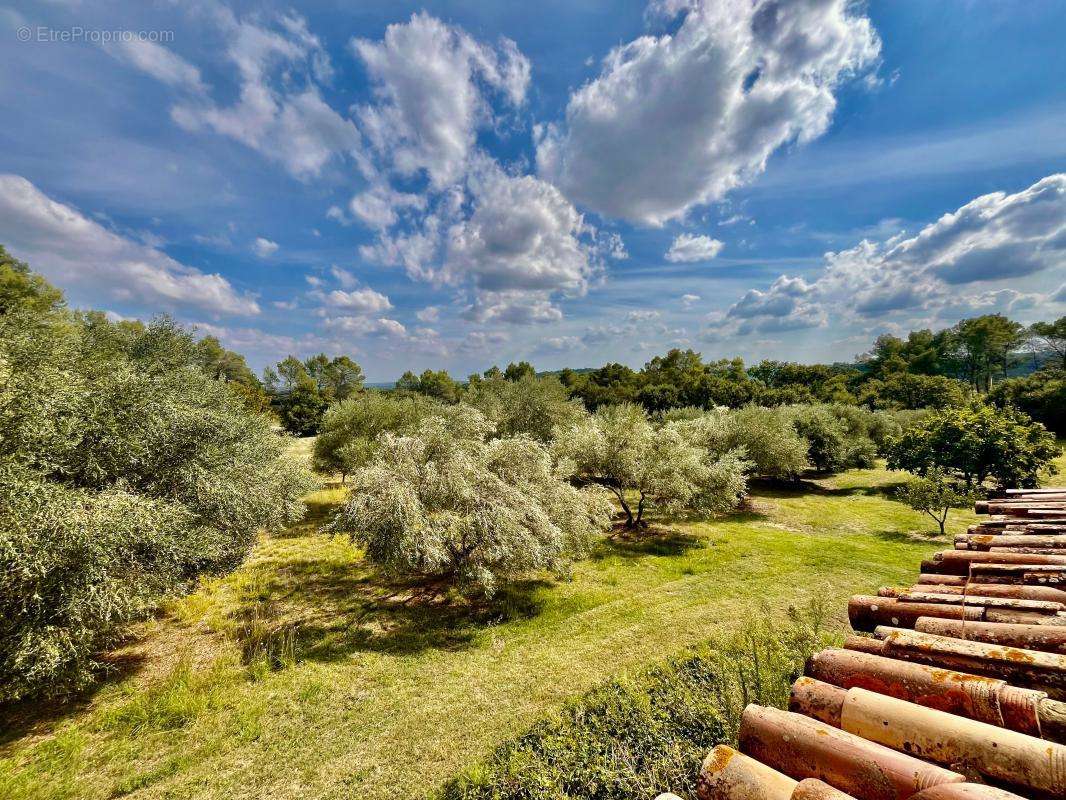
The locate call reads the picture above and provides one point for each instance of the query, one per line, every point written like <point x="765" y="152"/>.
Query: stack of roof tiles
<point x="959" y="694"/>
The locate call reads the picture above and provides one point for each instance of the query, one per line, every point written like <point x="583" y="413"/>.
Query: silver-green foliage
<point x="532" y="406"/>
<point x="619" y="447"/>
<point x="766" y="436"/>
<point x="449" y="501"/>
<point x="122" y="478"/>
<point x="348" y="436"/>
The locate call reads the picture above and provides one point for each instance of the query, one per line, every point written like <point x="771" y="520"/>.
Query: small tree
<point x="451" y="503"/>
<point x="619" y="448"/>
<point x="935" y="494"/>
<point x="301" y="409"/>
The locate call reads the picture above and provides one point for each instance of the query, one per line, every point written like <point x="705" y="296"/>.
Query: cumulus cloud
<point x="365" y="326"/>
<point x="74" y="250"/>
<point x="736" y="81"/>
<point x="428" y="314"/>
<point x="689" y="300"/>
<point x="279" y="110"/>
<point x="513" y="241"/>
<point x="687" y="248"/>
<point x="510" y="244"/>
<point x="431" y="80"/>
<point x="264" y="248"/>
<point x="157" y="61"/>
<point x="359" y="301"/>
<point x="997" y="236"/>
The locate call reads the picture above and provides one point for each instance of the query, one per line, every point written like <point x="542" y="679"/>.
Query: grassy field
<point x="306" y="675"/>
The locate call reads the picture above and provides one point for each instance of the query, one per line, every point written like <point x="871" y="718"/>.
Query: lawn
<point x="306" y="675"/>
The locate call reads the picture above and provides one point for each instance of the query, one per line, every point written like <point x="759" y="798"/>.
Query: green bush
<point x="766" y="436"/>
<point x="836" y="437"/>
<point x="975" y="443"/>
<point x="1041" y="395"/>
<point x="124" y="474"/>
<point x="450" y="502"/>
<point x="639" y="736"/>
<point x="527" y="405"/>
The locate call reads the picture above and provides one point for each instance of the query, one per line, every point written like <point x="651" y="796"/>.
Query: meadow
<point x="305" y="673"/>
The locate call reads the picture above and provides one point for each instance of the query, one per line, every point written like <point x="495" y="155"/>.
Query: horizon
<point x="446" y="185"/>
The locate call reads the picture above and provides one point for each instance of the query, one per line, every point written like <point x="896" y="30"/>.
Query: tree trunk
<point x="630" y="522"/>
<point x="640" y="511"/>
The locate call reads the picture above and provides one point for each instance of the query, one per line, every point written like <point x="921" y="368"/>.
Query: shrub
<point x="124" y="475"/>
<point x="347" y="437"/>
<point x="833" y="444"/>
<point x="636" y="737"/>
<point x="448" y="502"/>
<point x="975" y="443"/>
<point x="618" y="447"/>
<point x="768" y="439"/>
<point x="526" y="405"/>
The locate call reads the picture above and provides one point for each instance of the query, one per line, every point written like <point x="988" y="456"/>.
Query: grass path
<point x="384" y="694"/>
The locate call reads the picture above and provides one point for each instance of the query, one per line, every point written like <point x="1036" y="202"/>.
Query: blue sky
<point x="457" y="184"/>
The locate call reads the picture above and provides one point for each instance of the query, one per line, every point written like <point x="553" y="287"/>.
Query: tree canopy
<point x="453" y="502"/>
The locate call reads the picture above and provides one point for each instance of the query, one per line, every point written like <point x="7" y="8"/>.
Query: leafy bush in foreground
<point x="124" y="474"/>
<point x="639" y="736"/>
<point x="448" y="501"/>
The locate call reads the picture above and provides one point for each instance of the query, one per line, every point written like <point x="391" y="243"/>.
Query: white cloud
<point x="378" y="207"/>
<point x="365" y="326"/>
<point x="688" y="300"/>
<point x="560" y="344"/>
<point x="521" y="234"/>
<point x="279" y="110"/>
<point x="359" y="301"/>
<point x="73" y="250"/>
<point x="345" y="278"/>
<point x="428" y="314"/>
<point x="430" y="80"/>
<point x="994" y="238"/>
<point x="159" y="62"/>
<point x="264" y="248"/>
<point x="687" y="248"/>
<point x="678" y="120"/>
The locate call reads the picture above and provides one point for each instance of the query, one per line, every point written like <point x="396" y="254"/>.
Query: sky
<point x="460" y="184"/>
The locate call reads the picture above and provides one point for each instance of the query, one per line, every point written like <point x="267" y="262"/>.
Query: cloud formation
<point x="432" y="82"/>
<point x="677" y="120"/>
<point x="72" y="249"/>
<point x="994" y="237"/>
<point x="279" y="110"/>
<point x="688" y="248"/>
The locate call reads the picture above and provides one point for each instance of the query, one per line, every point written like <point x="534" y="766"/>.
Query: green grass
<point x="305" y="675"/>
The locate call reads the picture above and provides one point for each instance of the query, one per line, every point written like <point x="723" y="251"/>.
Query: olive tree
<point x="450" y="502"/>
<point x="770" y="443"/>
<point x="124" y="475"/>
<point x="834" y="441"/>
<point x="347" y="436"/>
<point x="619" y="447"/>
<point x="530" y="405"/>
